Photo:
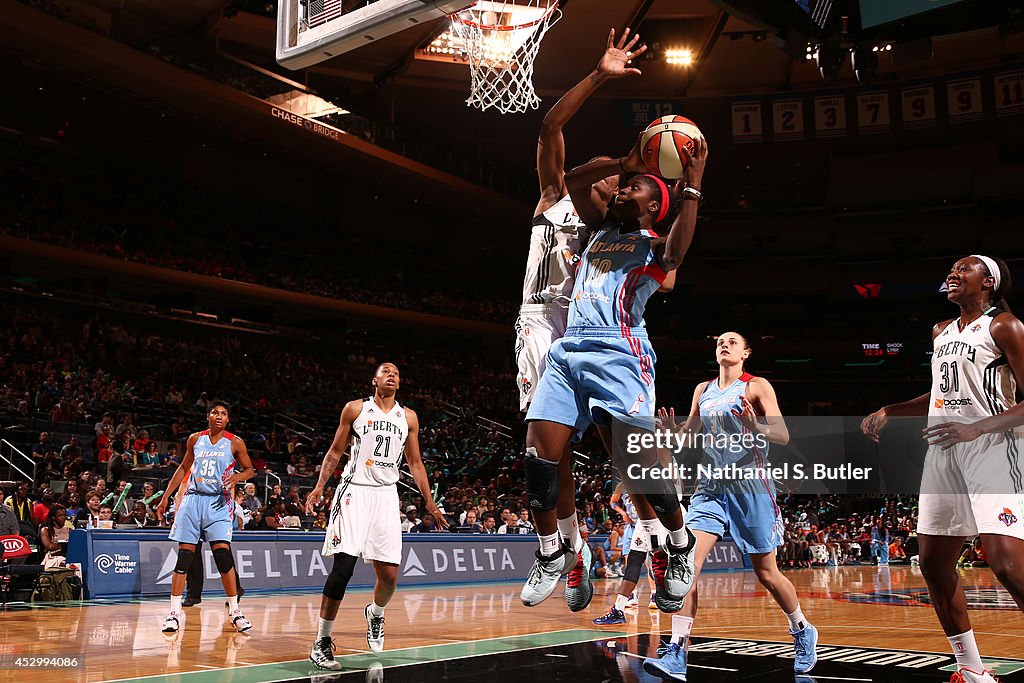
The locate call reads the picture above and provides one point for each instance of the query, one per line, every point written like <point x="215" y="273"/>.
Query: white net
<point x="502" y="40"/>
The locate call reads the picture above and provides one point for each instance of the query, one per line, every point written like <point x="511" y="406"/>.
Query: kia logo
<point x="15" y="544"/>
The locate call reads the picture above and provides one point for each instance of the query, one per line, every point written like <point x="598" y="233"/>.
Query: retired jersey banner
<point x="963" y="97"/>
<point x="873" y="113"/>
<point x="1010" y="92"/>
<point x="639" y="114"/>
<point x="788" y="119"/>
<point x="918" y="106"/>
<point x="746" y="121"/>
<point x="830" y="116"/>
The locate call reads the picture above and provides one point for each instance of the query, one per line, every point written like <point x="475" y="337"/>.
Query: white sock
<point x="570" y="530"/>
<point x="232" y="603"/>
<point x="175" y="603"/>
<point x="549" y="544"/>
<point x="376" y="610"/>
<point x="797" y="620"/>
<point x="678" y="538"/>
<point x="965" y="649"/>
<point x="620" y="602"/>
<point x="681" y="627"/>
<point x="324" y="630"/>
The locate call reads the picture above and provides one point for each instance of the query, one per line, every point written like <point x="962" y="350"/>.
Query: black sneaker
<point x="323" y="654"/>
<point x="191" y="600"/>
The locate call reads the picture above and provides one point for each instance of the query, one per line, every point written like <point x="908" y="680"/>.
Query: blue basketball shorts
<point x="595" y="374"/>
<point x="203" y="517"/>
<point x="627" y="539"/>
<point x="745" y="508"/>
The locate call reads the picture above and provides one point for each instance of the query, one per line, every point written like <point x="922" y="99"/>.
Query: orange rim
<point x="506" y="27"/>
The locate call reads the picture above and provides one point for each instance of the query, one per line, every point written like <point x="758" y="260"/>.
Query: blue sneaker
<point x="805" y="642"/>
<point x="613" y="617"/>
<point x="670" y="663"/>
<point x="579" y="589"/>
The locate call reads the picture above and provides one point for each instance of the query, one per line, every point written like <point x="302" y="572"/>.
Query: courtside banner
<point x="133" y="563"/>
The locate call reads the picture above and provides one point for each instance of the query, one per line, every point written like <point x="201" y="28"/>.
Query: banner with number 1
<point x="746" y="121"/>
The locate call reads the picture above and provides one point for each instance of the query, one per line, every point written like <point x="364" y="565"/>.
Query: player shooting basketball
<point x="602" y="370"/>
<point x="555" y="244"/>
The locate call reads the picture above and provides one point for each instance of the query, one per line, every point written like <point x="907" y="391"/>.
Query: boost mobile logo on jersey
<point x="953" y="402"/>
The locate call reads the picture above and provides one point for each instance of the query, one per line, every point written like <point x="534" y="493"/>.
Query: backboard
<point x="311" y="31"/>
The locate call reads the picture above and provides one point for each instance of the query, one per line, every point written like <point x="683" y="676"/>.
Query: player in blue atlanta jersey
<point x="205" y="509"/>
<point x="602" y="369"/>
<point x="736" y="404"/>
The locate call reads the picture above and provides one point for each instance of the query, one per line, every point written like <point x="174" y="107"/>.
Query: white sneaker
<point x="322" y="655"/>
<point x="174" y="622"/>
<point x="544" y="575"/>
<point x="239" y="621"/>
<point x="966" y="675"/>
<point x="632" y="602"/>
<point x="374" y="631"/>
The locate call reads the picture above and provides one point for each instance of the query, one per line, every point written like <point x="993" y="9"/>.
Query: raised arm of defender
<point x="614" y="63"/>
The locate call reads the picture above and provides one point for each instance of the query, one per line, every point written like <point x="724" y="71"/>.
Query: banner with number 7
<point x="873" y="112"/>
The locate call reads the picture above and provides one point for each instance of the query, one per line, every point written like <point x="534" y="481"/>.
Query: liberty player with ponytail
<point x="973" y="479"/>
<point x="603" y="367"/>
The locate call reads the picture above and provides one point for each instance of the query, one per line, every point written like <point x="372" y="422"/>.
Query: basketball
<point x="662" y="145"/>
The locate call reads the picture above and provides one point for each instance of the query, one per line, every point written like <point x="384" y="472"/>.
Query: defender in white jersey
<point x="556" y="242"/>
<point x="973" y="479"/>
<point x="365" y="517"/>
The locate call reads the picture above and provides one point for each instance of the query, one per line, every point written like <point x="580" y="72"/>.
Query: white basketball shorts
<point x="973" y="488"/>
<point x="537" y="326"/>
<point x="365" y="522"/>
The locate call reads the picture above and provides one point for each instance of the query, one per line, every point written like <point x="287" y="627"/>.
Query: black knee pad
<point x="661" y="495"/>
<point x="634" y="565"/>
<point x="341" y="574"/>
<point x="541" y="481"/>
<point x="185" y="558"/>
<point x="223" y="559"/>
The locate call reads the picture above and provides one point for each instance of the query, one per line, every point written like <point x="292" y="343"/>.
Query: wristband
<point x="694" y="193"/>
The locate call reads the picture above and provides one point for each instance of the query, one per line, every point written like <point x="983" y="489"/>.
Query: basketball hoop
<point x="502" y="40"/>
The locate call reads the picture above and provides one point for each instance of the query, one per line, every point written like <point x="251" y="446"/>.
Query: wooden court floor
<point x="854" y="606"/>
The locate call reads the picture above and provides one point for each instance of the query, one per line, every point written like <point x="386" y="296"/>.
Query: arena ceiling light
<point x="679" y="56"/>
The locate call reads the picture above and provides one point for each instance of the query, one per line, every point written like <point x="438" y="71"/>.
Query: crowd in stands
<point x="169" y="224"/>
<point x="102" y="408"/>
